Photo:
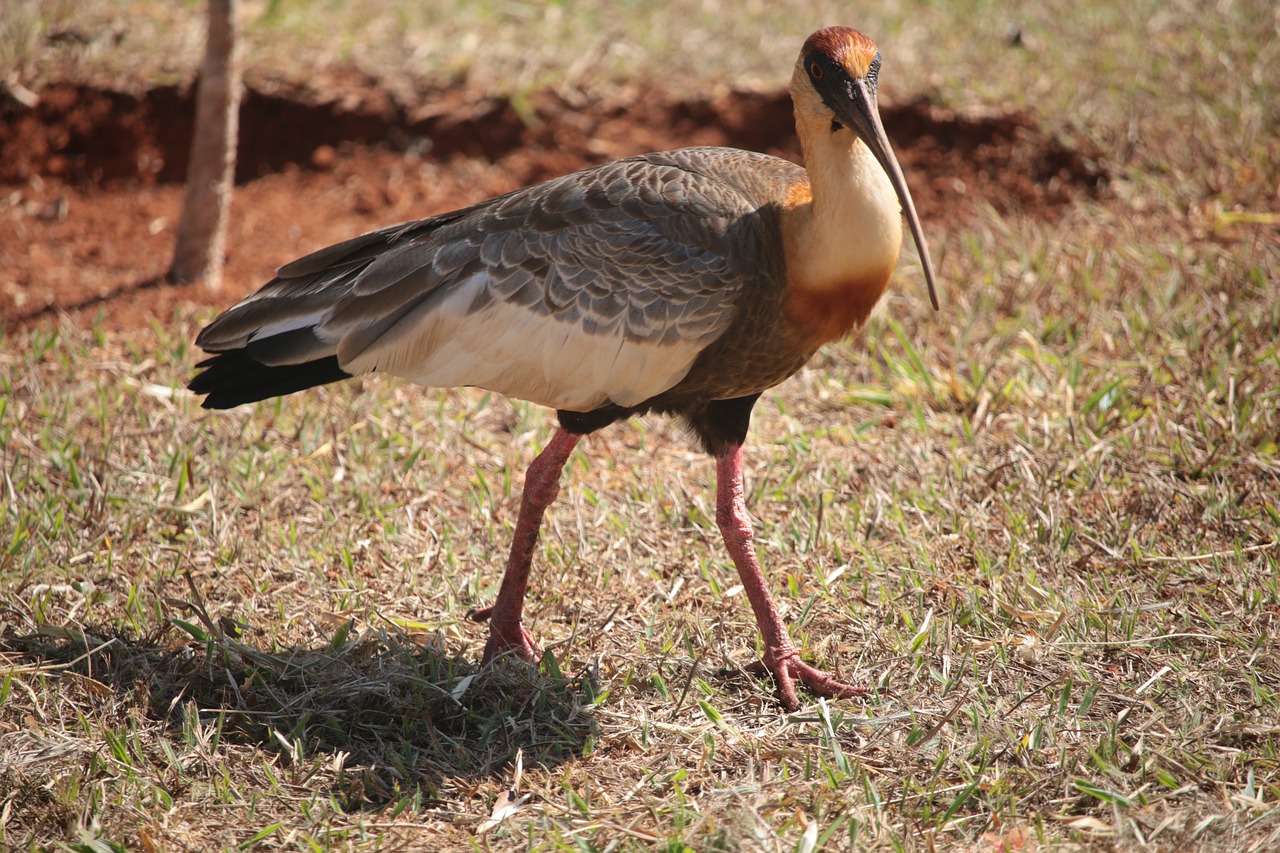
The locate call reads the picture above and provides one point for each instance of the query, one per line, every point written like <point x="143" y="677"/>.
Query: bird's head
<point x="834" y="89"/>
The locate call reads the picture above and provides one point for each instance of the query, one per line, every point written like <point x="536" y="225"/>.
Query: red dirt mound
<point x="90" y="179"/>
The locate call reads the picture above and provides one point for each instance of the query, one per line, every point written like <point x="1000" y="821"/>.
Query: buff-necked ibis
<point x="685" y="283"/>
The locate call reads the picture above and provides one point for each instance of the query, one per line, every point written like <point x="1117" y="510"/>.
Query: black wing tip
<point x="230" y="379"/>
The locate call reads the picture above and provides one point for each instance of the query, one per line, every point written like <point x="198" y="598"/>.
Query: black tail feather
<point x="230" y="379"/>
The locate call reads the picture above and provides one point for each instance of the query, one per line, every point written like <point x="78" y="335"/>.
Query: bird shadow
<point x="401" y="716"/>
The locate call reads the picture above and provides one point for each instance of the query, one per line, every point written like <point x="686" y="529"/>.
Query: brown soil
<point x="90" y="179"/>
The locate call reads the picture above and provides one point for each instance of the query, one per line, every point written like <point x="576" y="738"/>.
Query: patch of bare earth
<point x="90" y="180"/>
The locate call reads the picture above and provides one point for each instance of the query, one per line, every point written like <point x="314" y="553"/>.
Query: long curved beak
<point x="861" y="113"/>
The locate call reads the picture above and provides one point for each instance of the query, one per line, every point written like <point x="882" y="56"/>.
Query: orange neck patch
<point x="823" y="307"/>
<point x="823" y="316"/>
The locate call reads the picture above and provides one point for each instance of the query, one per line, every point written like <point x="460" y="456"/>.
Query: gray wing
<point x="601" y="286"/>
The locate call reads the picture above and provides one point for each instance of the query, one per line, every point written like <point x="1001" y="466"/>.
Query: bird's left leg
<point x="780" y="655"/>
<point x="541" y="485"/>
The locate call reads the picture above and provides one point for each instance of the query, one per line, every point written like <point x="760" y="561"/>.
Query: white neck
<point x="854" y="226"/>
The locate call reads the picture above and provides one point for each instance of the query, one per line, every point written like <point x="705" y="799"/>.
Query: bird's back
<point x="612" y="286"/>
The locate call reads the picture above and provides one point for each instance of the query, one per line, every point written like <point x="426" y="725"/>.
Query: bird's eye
<point x="815" y="71"/>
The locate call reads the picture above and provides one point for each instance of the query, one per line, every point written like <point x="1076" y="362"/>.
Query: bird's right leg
<point x="541" y="485"/>
<point x="781" y="657"/>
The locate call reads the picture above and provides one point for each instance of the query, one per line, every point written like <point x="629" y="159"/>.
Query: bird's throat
<point x="843" y="232"/>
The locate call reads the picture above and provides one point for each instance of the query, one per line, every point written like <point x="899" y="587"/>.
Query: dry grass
<point x="1045" y="521"/>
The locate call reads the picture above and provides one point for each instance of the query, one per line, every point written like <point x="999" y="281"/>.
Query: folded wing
<point x="599" y="287"/>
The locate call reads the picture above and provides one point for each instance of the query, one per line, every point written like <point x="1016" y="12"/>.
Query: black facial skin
<point x="834" y="84"/>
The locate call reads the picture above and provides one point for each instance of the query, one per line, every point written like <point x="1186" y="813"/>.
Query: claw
<point x="505" y="639"/>
<point x="786" y="667"/>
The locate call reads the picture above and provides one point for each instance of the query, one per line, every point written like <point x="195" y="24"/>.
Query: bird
<point x="683" y="283"/>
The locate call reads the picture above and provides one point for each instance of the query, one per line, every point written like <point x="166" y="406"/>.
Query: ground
<point x="1041" y="523"/>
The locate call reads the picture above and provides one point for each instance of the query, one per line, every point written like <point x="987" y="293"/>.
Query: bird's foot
<point x="786" y="667"/>
<point x="506" y="638"/>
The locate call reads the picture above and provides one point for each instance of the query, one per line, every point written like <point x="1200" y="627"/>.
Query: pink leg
<point x="780" y="655"/>
<point x="541" y="485"/>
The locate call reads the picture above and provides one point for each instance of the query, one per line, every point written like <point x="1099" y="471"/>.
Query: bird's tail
<point x="273" y="342"/>
<point x="230" y="379"/>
